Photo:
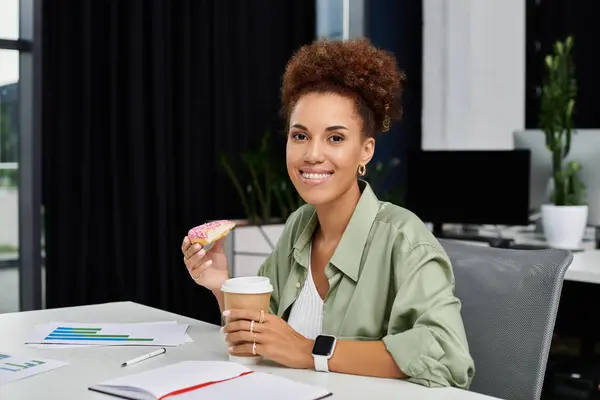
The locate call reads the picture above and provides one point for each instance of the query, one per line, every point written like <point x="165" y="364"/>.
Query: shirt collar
<point x="348" y="254"/>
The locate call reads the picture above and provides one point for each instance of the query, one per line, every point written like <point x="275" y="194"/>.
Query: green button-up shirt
<point x="390" y="280"/>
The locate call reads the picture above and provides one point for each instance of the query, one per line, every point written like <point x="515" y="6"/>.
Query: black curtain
<point x="139" y="99"/>
<point x="552" y="20"/>
<point x="397" y="26"/>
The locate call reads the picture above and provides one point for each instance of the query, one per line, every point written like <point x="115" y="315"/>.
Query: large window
<point x="9" y="20"/>
<point x="9" y="78"/>
<point x="16" y="21"/>
<point x="330" y="19"/>
<point x="9" y="116"/>
<point x="340" y="19"/>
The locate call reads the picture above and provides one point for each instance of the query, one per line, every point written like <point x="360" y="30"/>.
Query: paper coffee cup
<point x="247" y="293"/>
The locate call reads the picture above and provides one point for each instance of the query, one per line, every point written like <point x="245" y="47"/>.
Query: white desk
<point x="95" y="364"/>
<point x="585" y="267"/>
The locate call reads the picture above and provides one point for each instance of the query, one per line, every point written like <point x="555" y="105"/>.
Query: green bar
<point x="66" y="335"/>
<point x="83" y="329"/>
<point x="101" y="336"/>
<point x="16" y="365"/>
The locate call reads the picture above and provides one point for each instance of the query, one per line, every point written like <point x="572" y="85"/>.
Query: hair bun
<point x="350" y="66"/>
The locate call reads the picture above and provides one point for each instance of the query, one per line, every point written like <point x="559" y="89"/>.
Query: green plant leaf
<point x="557" y="107"/>
<point x="226" y="164"/>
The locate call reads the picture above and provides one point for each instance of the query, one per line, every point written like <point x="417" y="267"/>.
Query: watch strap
<point x="321" y="363"/>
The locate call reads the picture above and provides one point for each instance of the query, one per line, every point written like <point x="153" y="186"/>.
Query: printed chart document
<point x="145" y="334"/>
<point x="77" y="344"/>
<point x="13" y="368"/>
<point x="188" y="339"/>
<point x="189" y="380"/>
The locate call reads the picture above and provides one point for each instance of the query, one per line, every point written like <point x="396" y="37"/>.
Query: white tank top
<point x="306" y="316"/>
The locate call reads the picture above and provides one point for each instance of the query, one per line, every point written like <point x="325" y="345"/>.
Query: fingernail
<point x="222" y="329"/>
<point x="202" y="252"/>
<point x="225" y="337"/>
<point x="209" y="262"/>
<point x="225" y="313"/>
<point x="231" y="348"/>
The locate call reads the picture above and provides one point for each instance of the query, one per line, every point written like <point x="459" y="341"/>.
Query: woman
<point x="360" y="283"/>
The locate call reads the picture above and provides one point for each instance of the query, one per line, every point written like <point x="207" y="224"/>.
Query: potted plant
<point x="564" y="218"/>
<point x="268" y="198"/>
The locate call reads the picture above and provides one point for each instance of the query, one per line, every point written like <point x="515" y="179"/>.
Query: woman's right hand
<point x="208" y="268"/>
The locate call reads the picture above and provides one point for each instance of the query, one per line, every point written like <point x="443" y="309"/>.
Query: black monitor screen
<point x="469" y="187"/>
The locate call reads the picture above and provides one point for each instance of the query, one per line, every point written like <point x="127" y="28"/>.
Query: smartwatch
<point x="322" y="351"/>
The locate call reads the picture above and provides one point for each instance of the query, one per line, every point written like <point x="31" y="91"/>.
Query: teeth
<point x="315" y="176"/>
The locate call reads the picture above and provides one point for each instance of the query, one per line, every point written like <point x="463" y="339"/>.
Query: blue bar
<point x="8" y="369"/>
<point x="3" y="356"/>
<point x="68" y="334"/>
<point x="73" y="330"/>
<point x="62" y="328"/>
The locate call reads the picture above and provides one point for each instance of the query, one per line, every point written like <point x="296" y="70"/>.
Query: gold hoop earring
<point x="362" y="170"/>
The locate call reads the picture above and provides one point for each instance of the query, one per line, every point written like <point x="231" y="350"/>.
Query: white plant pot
<point x="564" y="226"/>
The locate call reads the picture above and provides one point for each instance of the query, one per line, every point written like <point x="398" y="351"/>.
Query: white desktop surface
<point x="95" y="364"/>
<point x="586" y="263"/>
<point x="585" y="267"/>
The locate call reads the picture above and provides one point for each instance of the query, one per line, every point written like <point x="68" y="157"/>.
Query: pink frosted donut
<point x="210" y="232"/>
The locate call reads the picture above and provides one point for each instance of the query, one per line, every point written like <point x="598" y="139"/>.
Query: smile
<point x="314" y="178"/>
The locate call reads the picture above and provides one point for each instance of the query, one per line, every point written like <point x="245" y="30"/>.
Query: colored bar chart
<point x="90" y="334"/>
<point x="9" y="366"/>
<point x="18" y="367"/>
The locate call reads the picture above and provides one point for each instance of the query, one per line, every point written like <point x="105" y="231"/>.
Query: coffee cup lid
<point x="248" y="285"/>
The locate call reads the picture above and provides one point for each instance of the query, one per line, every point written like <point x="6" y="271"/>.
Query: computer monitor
<point x="468" y="187"/>
<point x="585" y="148"/>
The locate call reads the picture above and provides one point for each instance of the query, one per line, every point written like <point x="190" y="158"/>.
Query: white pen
<point x="144" y="357"/>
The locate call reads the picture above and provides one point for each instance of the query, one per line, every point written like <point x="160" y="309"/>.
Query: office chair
<point x="509" y="304"/>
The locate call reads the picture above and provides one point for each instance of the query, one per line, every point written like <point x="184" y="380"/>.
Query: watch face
<point x="323" y="345"/>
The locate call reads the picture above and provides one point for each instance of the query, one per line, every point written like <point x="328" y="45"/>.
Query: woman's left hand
<point x="274" y="338"/>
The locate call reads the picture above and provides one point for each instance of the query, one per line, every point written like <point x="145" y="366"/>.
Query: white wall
<point x="473" y="73"/>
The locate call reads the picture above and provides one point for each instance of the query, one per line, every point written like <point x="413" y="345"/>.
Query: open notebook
<point x="207" y="380"/>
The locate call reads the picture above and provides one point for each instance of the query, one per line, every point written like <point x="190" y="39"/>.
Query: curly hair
<point x="353" y="68"/>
